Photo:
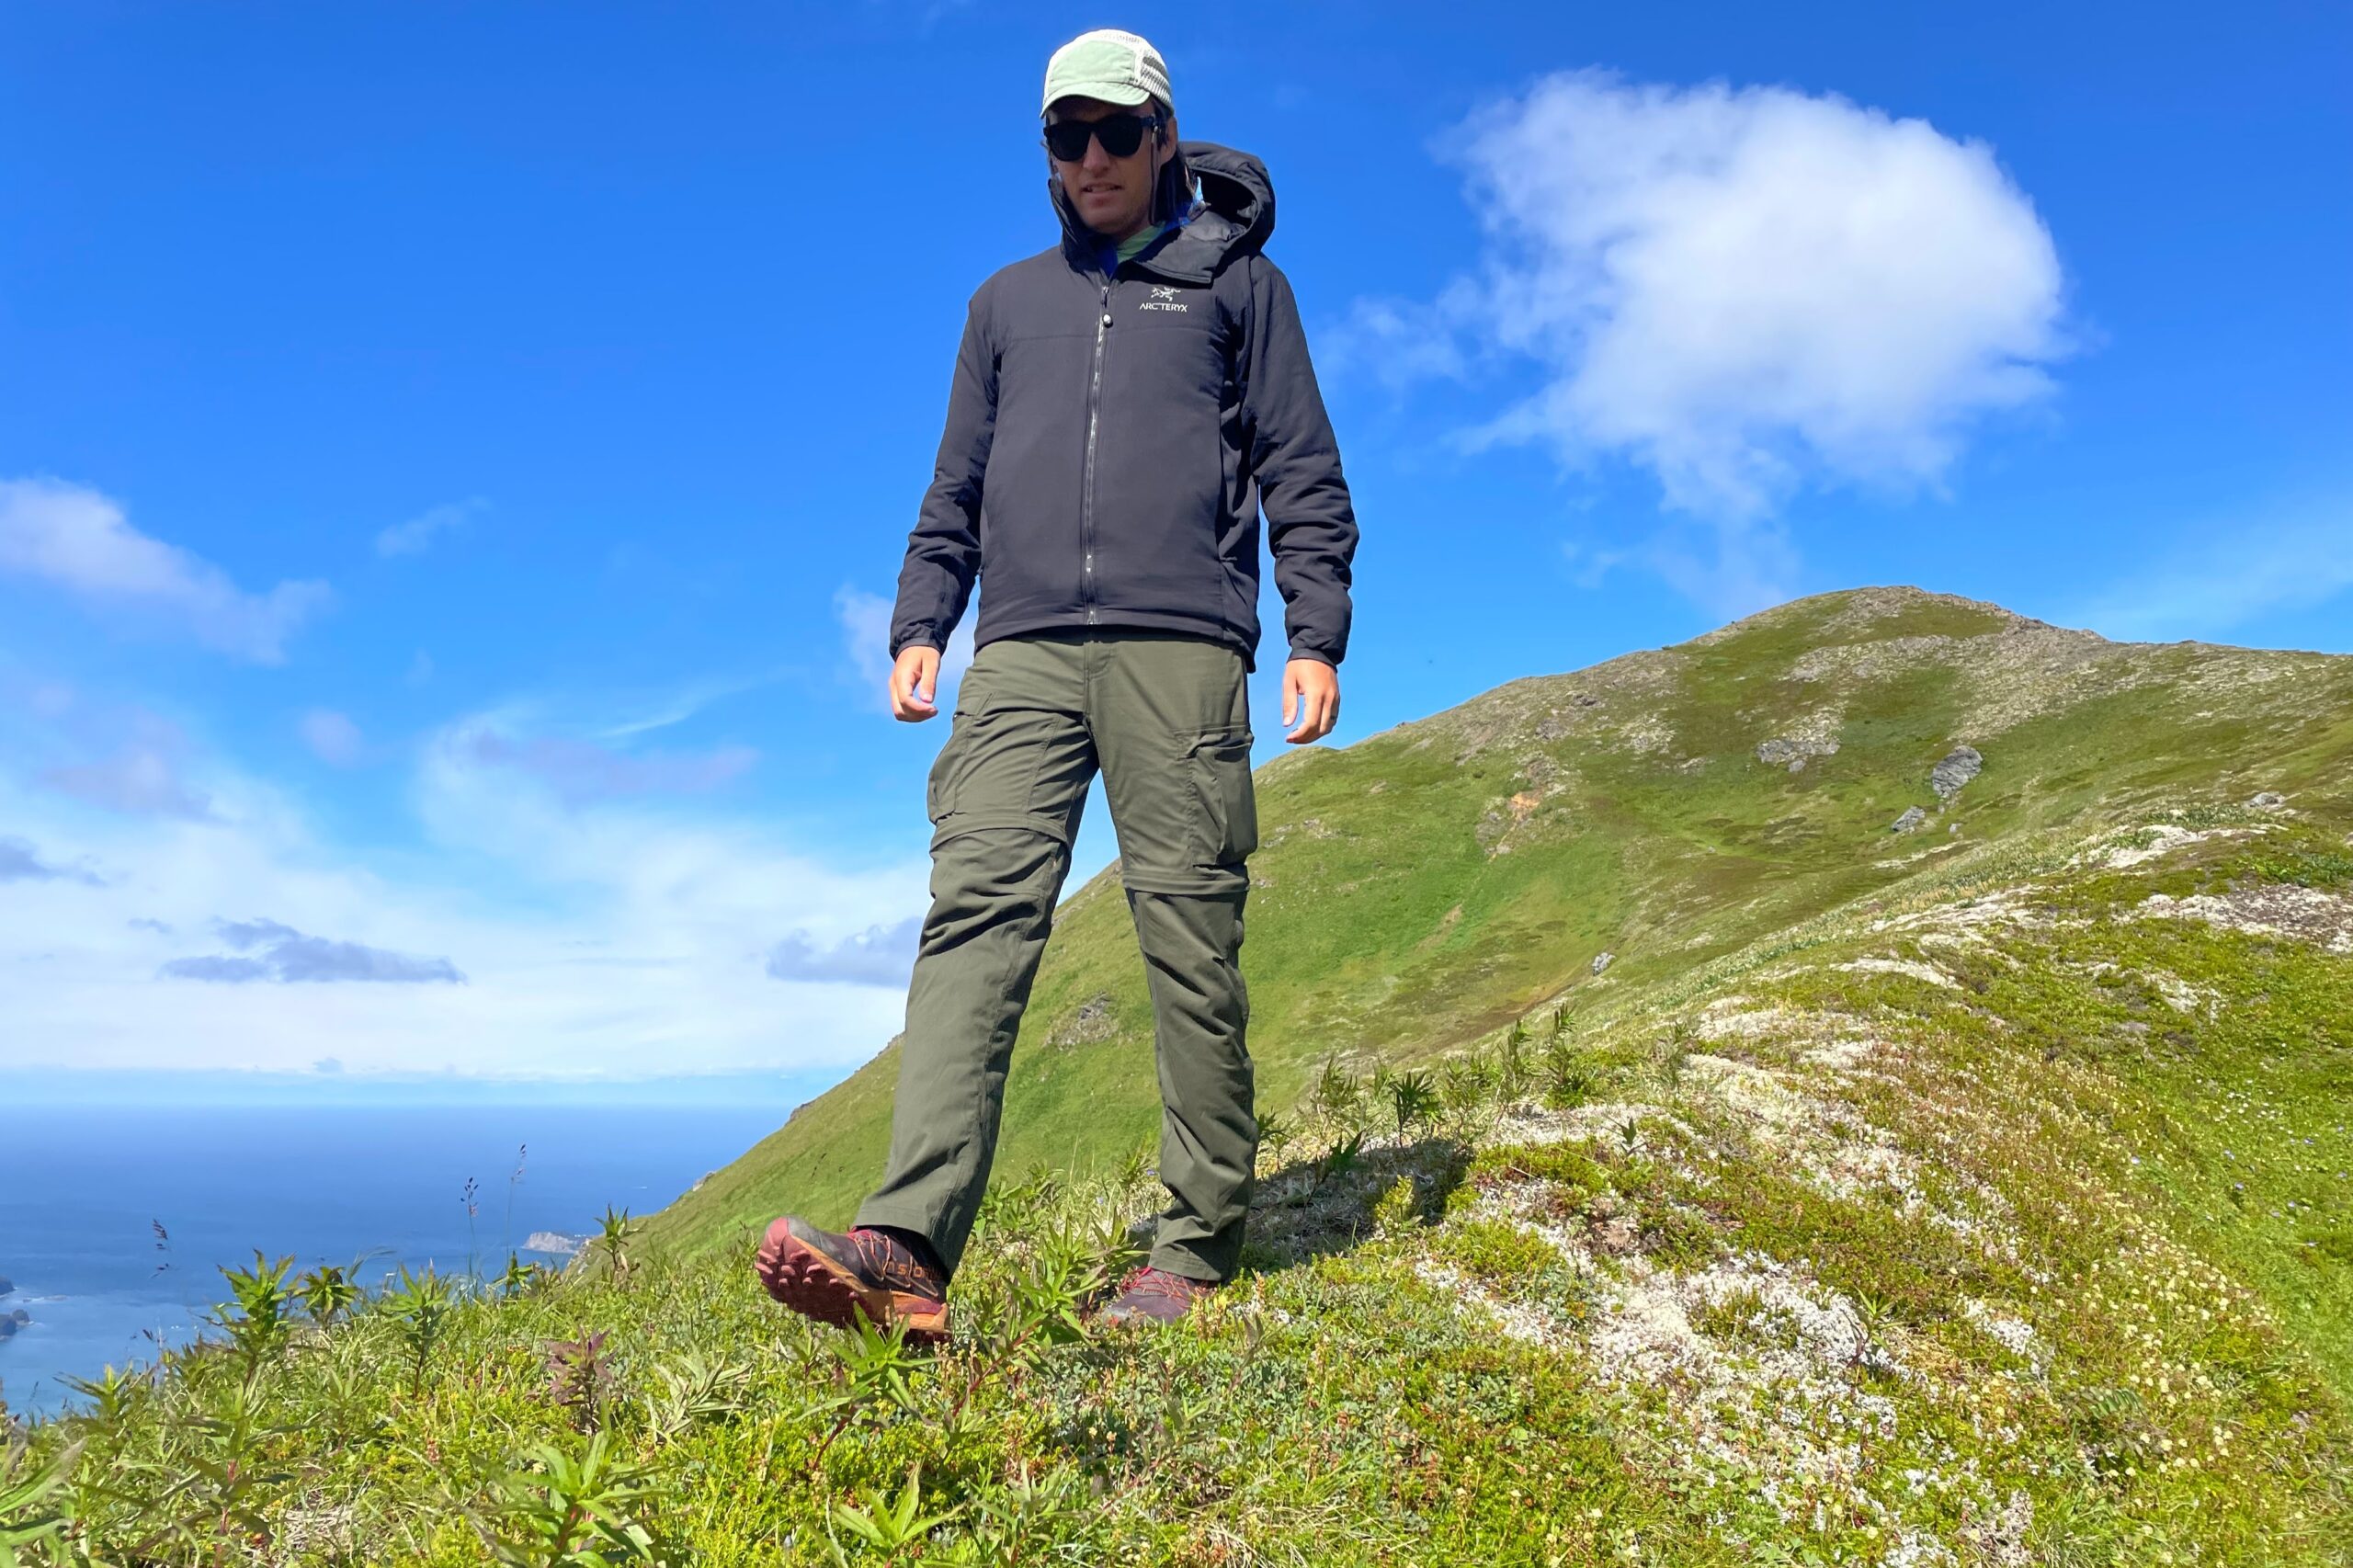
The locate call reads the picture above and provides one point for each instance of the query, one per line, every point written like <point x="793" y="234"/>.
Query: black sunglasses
<point x="1120" y="134"/>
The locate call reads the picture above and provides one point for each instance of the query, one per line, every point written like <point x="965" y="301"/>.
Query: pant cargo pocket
<point x="1225" y="826"/>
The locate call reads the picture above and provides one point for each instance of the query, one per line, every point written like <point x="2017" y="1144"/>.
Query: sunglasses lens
<point x="1120" y="134"/>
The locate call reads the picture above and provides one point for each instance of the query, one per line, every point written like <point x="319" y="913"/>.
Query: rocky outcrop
<point x="1961" y="764"/>
<point x="11" y="1322"/>
<point x="1791" y="752"/>
<point x="1909" y="822"/>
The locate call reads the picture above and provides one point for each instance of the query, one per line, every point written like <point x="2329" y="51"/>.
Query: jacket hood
<point x="1236" y="213"/>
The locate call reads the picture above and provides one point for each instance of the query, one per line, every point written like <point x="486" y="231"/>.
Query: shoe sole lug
<point x="809" y="1283"/>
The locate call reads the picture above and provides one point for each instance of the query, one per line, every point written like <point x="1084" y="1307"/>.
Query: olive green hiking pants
<point x="1166" y="719"/>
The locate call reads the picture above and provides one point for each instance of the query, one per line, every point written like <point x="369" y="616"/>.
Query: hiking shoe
<point x="1152" y="1295"/>
<point x="833" y="1278"/>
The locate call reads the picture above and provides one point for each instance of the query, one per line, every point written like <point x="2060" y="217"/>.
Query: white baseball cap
<point x="1115" y="66"/>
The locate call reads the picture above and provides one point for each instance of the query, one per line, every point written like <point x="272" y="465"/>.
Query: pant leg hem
<point x="1188" y="1265"/>
<point x="872" y="1215"/>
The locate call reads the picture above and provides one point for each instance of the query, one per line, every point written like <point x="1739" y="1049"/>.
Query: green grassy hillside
<point x="1419" y="888"/>
<point x="1978" y="1194"/>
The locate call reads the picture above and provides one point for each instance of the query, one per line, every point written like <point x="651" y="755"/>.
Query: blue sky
<point x="454" y="460"/>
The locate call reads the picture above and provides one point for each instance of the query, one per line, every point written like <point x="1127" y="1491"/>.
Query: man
<point x="1122" y="406"/>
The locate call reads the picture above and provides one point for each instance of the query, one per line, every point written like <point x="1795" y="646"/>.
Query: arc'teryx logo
<point x="1162" y="297"/>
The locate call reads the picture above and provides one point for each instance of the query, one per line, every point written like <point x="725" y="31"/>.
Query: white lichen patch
<point x="1530" y="1125"/>
<point x="2013" y="1335"/>
<point x="2138" y="846"/>
<point x="1910" y="967"/>
<point x="2303" y="915"/>
<point x="1648" y="736"/>
<point x="1525" y="1321"/>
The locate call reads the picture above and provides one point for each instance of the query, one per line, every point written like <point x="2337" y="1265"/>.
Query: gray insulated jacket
<point x="1111" y="440"/>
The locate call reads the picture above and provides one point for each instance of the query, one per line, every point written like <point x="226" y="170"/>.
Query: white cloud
<point x="1743" y="291"/>
<point x="267" y="951"/>
<point x="79" y="540"/>
<point x="20" y="861"/>
<point x="333" y="738"/>
<point x="879" y="955"/>
<point x="580" y="770"/>
<point x="866" y="640"/>
<point x="612" y="936"/>
<point x="412" y="537"/>
<point x="2232" y="573"/>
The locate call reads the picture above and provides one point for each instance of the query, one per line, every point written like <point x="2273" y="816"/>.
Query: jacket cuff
<point x="1320" y="658"/>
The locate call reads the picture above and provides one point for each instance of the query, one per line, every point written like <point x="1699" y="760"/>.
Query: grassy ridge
<point x="1998" y="1217"/>
<point x="1415" y="889"/>
<point x="1942" y="1198"/>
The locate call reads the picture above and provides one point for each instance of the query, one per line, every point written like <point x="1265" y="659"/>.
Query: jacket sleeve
<point x="1311" y="524"/>
<point x="944" y="550"/>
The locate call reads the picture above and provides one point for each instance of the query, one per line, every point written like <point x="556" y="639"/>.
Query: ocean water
<point x="114" y="1221"/>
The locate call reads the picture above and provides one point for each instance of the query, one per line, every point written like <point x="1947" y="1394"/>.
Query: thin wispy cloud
<point x="267" y="951"/>
<point x="81" y="543"/>
<point x="1744" y="291"/>
<point x="580" y="770"/>
<point x="2234" y="573"/>
<point x="333" y="738"/>
<point x="139" y="780"/>
<point x="20" y="861"/>
<point x="866" y="643"/>
<point x="879" y="955"/>
<point x="416" y="534"/>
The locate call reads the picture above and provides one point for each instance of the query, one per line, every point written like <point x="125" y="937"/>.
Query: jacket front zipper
<point x="1086" y="481"/>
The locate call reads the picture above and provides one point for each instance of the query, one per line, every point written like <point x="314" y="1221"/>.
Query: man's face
<point x="1112" y="195"/>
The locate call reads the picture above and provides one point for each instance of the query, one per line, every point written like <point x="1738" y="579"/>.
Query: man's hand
<point x="914" y="682"/>
<point x="1314" y="687"/>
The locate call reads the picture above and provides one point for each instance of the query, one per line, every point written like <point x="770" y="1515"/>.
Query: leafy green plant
<point x="327" y="1293"/>
<point x="885" y="1526"/>
<point x="1514" y="1068"/>
<point x="615" y="1231"/>
<point x="261" y="1318"/>
<point x="519" y="1278"/>
<point x="698" y="1390"/>
<point x="1396" y="1208"/>
<point x="1464" y="1087"/>
<point x="1337" y="1097"/>
<point x="1276" y="1133"/>
<point x="1342" y="1158"/>
<point x="420" y="1313"/>
<point x="1411" y="1099"/>
<point x="1567" y="1083"/>
<point x="565" y="1512"/>
<point x="216" y="1478"/>
<point x="35" y="1513"/>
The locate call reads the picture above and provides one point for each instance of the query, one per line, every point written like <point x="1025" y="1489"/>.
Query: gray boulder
<point x="1782" y="752"/>
<point x="1911" y="818"/>
<point x="2267" y="800"/>
<point x="1960" y="766"/>
<point x="1603" y="960"/>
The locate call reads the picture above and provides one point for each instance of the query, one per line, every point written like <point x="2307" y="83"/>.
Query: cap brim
<point x="1109" y="92"/>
